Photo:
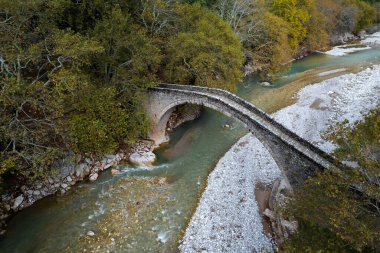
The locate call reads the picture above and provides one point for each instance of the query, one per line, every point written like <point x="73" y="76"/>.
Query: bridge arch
<point x="297" y="158"/>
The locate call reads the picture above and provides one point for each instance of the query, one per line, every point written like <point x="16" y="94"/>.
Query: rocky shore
<point x="75" y="169"/>
<point x="69" y="174"/>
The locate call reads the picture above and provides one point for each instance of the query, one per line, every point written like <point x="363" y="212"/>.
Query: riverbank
<point x="73" y="169"/>
<point x="68" y="172"/>
<point x="227" y="218"/>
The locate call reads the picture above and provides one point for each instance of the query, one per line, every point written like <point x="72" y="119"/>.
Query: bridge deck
<point x="255" y="116"/>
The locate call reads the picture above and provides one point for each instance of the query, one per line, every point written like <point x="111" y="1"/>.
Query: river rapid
<point x="146" y="209"/>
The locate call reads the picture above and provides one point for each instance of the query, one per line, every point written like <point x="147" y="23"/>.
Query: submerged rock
<point x="266" y="84"/>
<point x="143" y="159"/>
<point x="114" y="171"/>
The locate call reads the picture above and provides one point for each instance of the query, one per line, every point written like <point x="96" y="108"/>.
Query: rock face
<point x="341" y="38"/>
<point x="143" y="159"/>
<point x="282" y="228"/>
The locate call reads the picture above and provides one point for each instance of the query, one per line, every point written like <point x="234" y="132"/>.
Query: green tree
<point x="205" y="50"/>
<point x="341" y="208"/>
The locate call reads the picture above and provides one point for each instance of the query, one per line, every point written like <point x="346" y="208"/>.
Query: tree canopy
<point x="74" y="73"/>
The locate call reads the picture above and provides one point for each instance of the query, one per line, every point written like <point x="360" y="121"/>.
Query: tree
<point x="293" y="12"/>
<point x="205" y="50"/>
<point x="341" y="208"/>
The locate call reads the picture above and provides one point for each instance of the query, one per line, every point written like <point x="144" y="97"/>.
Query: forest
<point x="73" y="73"/>
<point x="74" y="76"/>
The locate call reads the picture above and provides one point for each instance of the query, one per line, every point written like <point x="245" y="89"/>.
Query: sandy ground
<point x="227" y="218"/>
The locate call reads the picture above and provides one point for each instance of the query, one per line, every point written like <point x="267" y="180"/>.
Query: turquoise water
<point x="145" y="209"/>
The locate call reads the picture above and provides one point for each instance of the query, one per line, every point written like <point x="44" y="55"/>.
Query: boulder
<point x="23" y="188"/>
<point x="143" y="159"/>
<point x="93" y="177"/>
<point x="80" y="170"/>
<point x="17" y="202"/>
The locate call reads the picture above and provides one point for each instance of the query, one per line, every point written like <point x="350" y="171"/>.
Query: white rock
<point x="107" y="166"/>
<point x="17" y="202"/>
<point x="64" y="186"/>
<point x="266" y="84"/>
<point x="90" y="233"/>
<point x="143" y="159"/>
<point x="69" y="179"/>
<point x="36" y="193"/>
<point x="93" y="177"/>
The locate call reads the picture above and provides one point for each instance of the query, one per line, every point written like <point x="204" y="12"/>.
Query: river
<point x="145" y="209"/>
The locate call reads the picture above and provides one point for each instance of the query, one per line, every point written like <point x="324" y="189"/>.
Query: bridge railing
<point x="255" y="110"/>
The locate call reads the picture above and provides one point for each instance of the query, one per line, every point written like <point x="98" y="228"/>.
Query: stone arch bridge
<point x="297" y="158"/>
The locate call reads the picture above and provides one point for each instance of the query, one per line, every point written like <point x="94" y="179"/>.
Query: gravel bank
<point x="227" y="218"/>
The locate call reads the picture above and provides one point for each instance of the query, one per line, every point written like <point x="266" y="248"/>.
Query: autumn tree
<point x="205" y="50"/>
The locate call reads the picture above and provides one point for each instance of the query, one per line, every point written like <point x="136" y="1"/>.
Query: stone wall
<point x="183" y="114"/>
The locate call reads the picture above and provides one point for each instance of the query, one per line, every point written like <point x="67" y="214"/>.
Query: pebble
<point x="90" y="233"/>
